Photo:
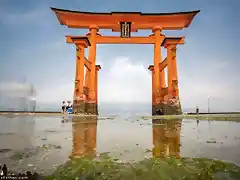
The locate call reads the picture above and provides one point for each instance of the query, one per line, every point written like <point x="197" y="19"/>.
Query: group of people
<point x="197" y="110"/>
<point x="66" y="107"/>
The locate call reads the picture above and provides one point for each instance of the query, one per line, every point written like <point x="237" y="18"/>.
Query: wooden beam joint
<point x="87" y="64"/>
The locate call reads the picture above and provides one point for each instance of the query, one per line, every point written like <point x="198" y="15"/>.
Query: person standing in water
<point x="68" y="105"/>
<point x="63" y="107"/>
<point x="197" y="110"/>
<point x="70" y="110"/>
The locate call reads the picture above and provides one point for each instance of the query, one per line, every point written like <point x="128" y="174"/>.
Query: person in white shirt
<point x="63" y="107"/>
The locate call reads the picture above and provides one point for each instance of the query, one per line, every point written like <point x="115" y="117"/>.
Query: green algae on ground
<point x="164" y="169"/>
<point x="215" y="117"/>
<point x="235" y="117"/>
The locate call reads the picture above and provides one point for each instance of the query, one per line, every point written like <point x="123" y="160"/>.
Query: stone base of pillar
<point x="92" y="108"/>
<point x="79" y="107"/>
<point x="170" y="106"/>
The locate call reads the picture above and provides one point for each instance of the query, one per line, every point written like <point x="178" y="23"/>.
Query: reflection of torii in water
<point x="166" y="138"/>
<point x="84" y="136"/>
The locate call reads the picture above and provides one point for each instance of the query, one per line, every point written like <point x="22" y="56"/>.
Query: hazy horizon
<point x="14" y="103"/>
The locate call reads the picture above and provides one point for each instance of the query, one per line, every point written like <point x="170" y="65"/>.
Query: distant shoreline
<point x="221" y="116"/>
<point x="25" y="112"/>
<point x="59" y="112"/>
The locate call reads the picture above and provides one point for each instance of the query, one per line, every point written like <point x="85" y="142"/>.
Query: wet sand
<point x="35" y="142"/>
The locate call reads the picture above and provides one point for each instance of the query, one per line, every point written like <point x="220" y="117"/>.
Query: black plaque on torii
<point x="125" y="29"/>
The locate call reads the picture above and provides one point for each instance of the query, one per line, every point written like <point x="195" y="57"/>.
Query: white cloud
<point x="195" y="89"/>
<point x="125" y="82"/>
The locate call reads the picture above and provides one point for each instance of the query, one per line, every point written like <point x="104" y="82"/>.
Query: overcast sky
<point x="32" y="47"/>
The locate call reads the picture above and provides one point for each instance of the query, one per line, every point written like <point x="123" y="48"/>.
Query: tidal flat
<point x="121" y="147"/>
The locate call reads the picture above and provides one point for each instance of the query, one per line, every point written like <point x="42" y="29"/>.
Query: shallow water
<point x="42" y="143"/>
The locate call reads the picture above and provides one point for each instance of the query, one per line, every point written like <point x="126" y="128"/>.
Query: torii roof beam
<point x="167" y="21"/>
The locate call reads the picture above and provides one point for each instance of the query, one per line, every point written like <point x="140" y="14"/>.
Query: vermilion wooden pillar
<point x="157" y="57"/>
<point x="159" y="75"/>
<point x="170" y="44"/>
<point x="151" y="68"/>
<point x="175" y="73"/>
<point x="172" y="101"/>
<point x="98" y="67"/>
<point x="92" y="103"/>
<point x="87" y="76"/>
<point x="79" y="98"/>
<point x="170" y="69"/>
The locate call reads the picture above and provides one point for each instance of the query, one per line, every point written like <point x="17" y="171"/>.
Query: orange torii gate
<point x="165" y="97"/>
